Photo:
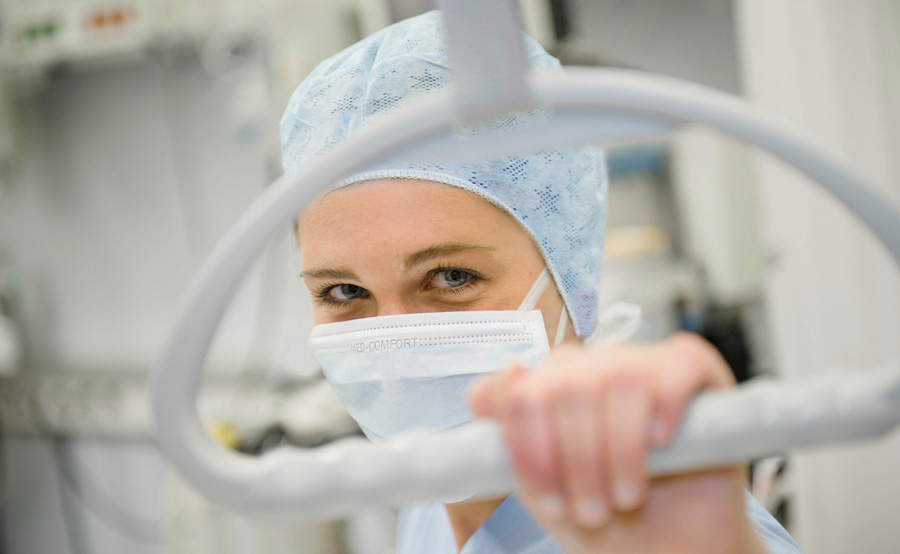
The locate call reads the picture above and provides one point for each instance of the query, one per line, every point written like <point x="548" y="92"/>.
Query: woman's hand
<point x="579" y="427"/>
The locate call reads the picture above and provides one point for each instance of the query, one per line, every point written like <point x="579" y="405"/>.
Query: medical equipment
<point x="586" y="105"/>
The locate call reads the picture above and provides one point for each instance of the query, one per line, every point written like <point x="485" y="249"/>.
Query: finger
<point x="479" y="395"/>
<point x="629" y="408"/>
<point x="528" y="428"/>
<point x="488" y="396"/>
<point x="689" y="365"/>
<point x="579" y="402"/>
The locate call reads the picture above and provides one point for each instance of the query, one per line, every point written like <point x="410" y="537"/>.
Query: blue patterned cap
<point x="558" y="196"/>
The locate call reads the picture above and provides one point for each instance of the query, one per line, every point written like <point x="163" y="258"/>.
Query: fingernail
<point x="592" y="512"/>
<point x="626" y="494"/>
<point x="552" y="506"/>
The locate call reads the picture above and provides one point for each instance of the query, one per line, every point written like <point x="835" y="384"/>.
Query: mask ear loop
<point x="534" y="294"/>
<point x="537" y="289"/>
<point x="561" y="328"/>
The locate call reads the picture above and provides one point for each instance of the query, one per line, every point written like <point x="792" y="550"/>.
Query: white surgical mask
<point x="400" y="372"/>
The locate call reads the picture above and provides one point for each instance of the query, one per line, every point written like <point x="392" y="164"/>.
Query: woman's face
<point x="396" y="246"/>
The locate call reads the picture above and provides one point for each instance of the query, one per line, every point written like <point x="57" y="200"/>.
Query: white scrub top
<point x="425" y="528"/>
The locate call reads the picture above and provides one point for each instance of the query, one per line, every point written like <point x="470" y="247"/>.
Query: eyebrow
<point x="411" y="261"/>
<point x="329" y="273"/>
<point x="439" y="250"/>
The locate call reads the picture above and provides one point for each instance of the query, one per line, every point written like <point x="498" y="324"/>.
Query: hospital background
<point x="134" y="132"/>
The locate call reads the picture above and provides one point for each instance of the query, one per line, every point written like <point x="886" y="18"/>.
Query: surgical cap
<point x="558" y="196"/>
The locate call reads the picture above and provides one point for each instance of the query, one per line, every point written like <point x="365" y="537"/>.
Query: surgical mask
<point x="401" y="372"/>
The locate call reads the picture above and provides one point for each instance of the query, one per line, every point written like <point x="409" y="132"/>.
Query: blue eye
<point x="451" y="278"/>
<point x="345" y="292"/>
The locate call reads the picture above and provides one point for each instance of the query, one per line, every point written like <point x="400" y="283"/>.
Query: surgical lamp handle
<point x="723" y="428"/>
<point x="334" y="480"/>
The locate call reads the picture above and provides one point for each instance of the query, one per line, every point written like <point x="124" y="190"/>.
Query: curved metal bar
<point x="339" y="478"/>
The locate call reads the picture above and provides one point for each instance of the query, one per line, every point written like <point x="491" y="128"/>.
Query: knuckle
<point x="684" y="340"/>
<point x="582" y="472"/>
<point x="615" y="350"/>
<point x="523" y="397"/>
<point x="630" y="365"/>
<point x="570" y="391"/>
<point x="689" y="347"/>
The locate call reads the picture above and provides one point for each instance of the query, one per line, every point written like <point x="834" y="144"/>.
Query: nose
<point x="403" y="304"/>
<point x="396" y="306"/>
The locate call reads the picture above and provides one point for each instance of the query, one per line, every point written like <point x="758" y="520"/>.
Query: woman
<point x="433" y="245"/>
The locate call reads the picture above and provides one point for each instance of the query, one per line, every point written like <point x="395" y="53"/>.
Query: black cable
<point x="562" y="22"/>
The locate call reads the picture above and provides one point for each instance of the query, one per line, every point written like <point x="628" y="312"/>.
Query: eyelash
<point x="322" y="293"/>
<point x="474" y="277"/>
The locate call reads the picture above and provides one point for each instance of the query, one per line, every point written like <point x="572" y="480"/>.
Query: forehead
<point x="402" y="215"/>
